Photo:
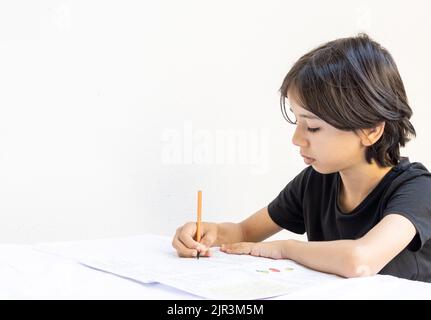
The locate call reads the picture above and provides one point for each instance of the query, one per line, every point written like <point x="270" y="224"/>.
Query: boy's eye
<point x="313" y="129"/>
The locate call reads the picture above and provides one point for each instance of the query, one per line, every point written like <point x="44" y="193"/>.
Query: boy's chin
<point x="323" y="170"/>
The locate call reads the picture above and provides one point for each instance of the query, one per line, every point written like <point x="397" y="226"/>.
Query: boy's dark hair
<point x="352" y="84"/>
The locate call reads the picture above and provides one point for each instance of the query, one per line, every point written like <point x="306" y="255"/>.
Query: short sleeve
<point x="413" y="201"/>
<point x="286" y="210"/>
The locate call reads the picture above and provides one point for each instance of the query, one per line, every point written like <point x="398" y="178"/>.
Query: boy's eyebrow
<point x="307" y="116"/>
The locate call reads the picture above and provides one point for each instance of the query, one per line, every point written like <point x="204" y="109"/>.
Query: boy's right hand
<point x="186" y="245"/>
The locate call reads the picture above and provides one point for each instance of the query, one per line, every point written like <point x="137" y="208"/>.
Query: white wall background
<point x="113" y="113"/>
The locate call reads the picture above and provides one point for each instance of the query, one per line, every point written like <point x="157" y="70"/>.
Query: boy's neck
<point x="358" y="182"/>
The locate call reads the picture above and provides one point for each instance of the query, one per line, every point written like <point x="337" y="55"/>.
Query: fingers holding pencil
<point x="208" y="237"/>
<point x="184" y="240"/>
<point x="195" y="239"/>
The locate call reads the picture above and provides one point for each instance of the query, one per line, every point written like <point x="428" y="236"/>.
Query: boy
<point x="365" y="209"/>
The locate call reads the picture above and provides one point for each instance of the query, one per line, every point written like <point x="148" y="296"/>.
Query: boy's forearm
<point x="341" y="257"/>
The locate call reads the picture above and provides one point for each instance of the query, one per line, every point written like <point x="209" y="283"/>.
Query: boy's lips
<point x="304" y="156"/>
<point x="308" y="160"/>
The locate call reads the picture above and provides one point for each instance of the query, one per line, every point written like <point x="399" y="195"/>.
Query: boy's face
<point x="330" y="149"/>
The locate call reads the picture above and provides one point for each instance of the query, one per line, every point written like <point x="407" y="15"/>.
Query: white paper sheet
<point x="151" y="258"/>
<point x="29" y="274"/>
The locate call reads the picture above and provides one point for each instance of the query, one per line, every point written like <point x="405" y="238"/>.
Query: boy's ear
<point x="370" y="136"/>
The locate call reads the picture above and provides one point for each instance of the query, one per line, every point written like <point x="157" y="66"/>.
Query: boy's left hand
<point x="271" y="250"/>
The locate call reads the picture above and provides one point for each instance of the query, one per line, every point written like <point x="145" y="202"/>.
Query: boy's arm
<point x="255" y="228"/>
<point x="347" y="258"/>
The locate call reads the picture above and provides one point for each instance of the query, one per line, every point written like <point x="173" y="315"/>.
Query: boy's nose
<point x="298" y="139"/>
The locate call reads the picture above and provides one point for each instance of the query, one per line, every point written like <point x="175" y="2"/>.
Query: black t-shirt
<point x="309" y="203"/>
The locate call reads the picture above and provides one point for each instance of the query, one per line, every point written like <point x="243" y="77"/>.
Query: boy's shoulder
<point x="409" y="177"/>
<point x="406" y="170"/>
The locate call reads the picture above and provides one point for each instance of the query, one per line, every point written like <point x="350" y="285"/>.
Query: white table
<point x="26" y="273"/>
